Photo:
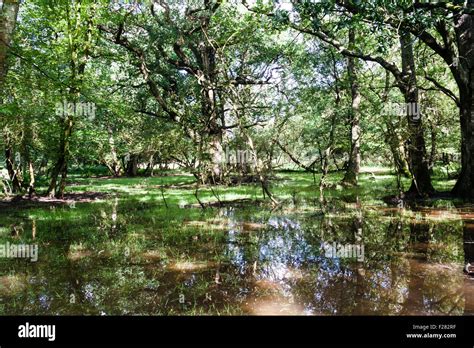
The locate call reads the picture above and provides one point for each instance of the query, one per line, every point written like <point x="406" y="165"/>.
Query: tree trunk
<point x="260" y="170"/>
<point x="216" y="152"/>
<point x="60" y="167"/>
<point x="115" y="166"/>
<point x="395" y="143"/>
<point x="8" y="15"/>
<point x="433" y="147"/>
<point x="28" y="167"/>
<point x="465" y="37"/>
<point x="393" y="139"/>
<point x="418" y="160"/>
<point x="132" y="166"/>
<point x="79" y="51"/>
<point x="10" y="163"/>
<point x="31" y="185"/>
<point x="149" y="171"/>
<point x="352" y="173"/>
<point x="211" y="111"/>
<point x="465" y="184"/>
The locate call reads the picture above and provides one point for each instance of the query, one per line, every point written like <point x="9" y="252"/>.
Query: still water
<point x="124" y="257"/>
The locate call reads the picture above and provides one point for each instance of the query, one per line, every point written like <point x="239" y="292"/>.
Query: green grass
<point x="178" y="187"/>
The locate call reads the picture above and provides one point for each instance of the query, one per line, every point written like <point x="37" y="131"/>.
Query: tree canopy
<point x="234" y="90"/>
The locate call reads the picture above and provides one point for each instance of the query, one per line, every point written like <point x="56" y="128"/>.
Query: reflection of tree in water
<point x="407" y="268"/>
<point x="419" y="240"/>
<point x="394" y="278"/>
<point x="432" y="288"/>
<point x="468" y="239"/>
<point x="284" y="246"/>
<point x="353" y="290"/>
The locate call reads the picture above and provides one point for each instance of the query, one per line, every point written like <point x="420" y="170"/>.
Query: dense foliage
<point x="233" y="90"/>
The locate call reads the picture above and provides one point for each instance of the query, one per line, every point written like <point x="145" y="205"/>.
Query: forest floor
<point x="178" y="188"/>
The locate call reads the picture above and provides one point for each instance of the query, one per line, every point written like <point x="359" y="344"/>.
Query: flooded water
<point x="133" y="258"/>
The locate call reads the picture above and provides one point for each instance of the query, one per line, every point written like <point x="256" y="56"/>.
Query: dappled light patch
<point x="441" y="215"/>
<point x="190" y="266"/>
<point x="38" y="201"/>
<point x="79" y="252"/>
<point x="267" y="285"/>
<point x="11" y="285"/>
<point x="153" y="256"/>
<point x="274" y="305"/>
<point x="252" y="226"/>
<point x="212" y="224"/>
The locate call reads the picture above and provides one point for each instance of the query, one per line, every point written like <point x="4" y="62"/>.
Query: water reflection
<point x="468" y="244"/>
<point x="129" y="258"/>
<point x="468" y="237"/>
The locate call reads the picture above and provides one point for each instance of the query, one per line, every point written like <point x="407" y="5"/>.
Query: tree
<point x="453" y="23"/>
<point x="311" y="20"/>
<point x="8" y="16"/>
<point x="78" y="31"/>
<point x="418" y="159"/>
<point x="353" y="166"/>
